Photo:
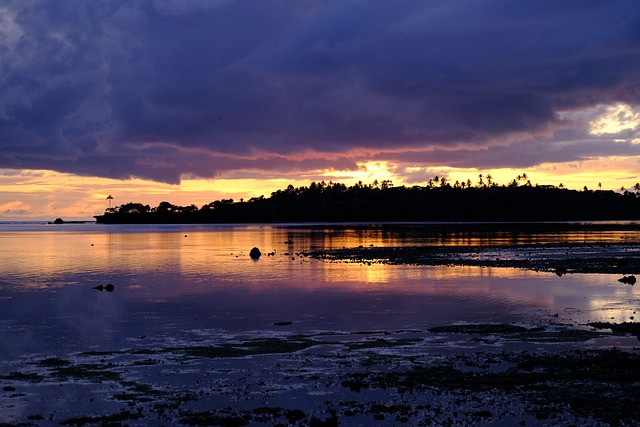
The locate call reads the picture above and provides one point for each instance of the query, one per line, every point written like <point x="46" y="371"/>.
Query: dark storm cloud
<point x="158" y="89"/>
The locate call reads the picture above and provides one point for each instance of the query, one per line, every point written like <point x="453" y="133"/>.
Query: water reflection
<point x="180" y="280"/>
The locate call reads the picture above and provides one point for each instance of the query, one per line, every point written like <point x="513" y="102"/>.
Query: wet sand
<point x="453" y="375"/>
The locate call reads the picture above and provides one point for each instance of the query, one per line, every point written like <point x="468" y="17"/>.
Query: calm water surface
<point x="190" y="282"/>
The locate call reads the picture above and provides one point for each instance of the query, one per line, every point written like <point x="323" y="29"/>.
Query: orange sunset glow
<point x="42" y="195"/>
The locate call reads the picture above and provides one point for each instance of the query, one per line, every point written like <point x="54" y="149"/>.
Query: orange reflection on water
<point x="165" y="263"/>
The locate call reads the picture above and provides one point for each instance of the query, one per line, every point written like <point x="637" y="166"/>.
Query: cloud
<point x="163" y="89"/>
<point x="14" y="208"/>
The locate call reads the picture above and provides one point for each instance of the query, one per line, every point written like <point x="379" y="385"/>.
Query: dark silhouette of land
<point x="439" y="201"/>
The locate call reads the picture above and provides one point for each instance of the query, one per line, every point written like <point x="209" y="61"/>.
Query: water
<point x="186" y="282"/>
<point x="152" y="352"/>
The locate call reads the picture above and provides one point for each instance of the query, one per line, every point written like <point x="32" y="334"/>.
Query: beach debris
<point x="108" y="287"/>
<point x="255" y="253"/>
<point x="630" y="280"/>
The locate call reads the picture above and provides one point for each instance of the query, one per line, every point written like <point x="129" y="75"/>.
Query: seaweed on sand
<point x="623" y="328"/>
<point x="249" y="348"/>
<point x="554" y="333"/>
<point x="602" y="385"/>
<point x="102" y="420"/>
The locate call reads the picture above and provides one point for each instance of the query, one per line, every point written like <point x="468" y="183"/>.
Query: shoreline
<point x="515" y="375"/>
<point x="559" y="258"/>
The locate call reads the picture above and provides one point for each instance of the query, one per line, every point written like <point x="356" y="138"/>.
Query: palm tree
<point x="489" y="180"/>
<point x="480" y="180"/>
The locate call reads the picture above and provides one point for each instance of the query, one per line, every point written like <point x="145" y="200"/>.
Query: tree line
<point x="439" y="200"/>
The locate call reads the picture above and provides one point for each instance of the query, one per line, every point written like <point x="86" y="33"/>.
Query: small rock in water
<point x="255" y="253"/>
<point x="283" y="323"/>
<point x="630" y="280"/>
<point x="99" y="288"/>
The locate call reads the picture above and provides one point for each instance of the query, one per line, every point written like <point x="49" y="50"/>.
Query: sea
<point x="185" y="282"/>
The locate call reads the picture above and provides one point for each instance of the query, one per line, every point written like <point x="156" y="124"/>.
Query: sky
<point x="190" y="101"/>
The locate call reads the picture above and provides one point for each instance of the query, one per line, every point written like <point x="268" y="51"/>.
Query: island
<point x="382" y="202"/>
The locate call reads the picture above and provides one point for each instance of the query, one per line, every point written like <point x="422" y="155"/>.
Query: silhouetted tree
<point x="335" y="202"/>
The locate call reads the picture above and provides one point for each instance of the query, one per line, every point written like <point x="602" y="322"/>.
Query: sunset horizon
<point x="41" y="195"/>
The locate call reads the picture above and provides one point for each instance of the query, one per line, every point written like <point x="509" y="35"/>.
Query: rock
<point x="109" y="287"/>
<point x="630" y="280"/>
<point x="99" y="288"/>
<point x="58" y="221"/>
<point x="255" y="253"/>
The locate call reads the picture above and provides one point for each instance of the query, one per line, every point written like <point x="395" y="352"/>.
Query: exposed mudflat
<point x="561" y="258"/>
<point x="491" y="374"/>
